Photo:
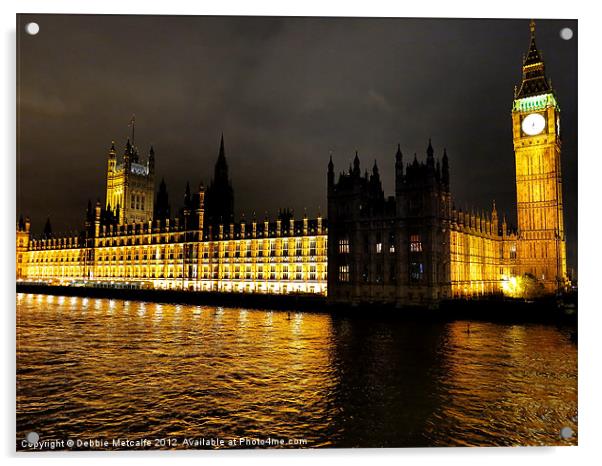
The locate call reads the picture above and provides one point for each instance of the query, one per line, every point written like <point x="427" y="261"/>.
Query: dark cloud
<point x="286" y="92"/>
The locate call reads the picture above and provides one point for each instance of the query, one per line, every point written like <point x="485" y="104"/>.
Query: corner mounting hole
<point x="566" y="433"/>
<point x="33" y="438"/>
<point x="566" y="33"/>
<point x="32" y="28"/>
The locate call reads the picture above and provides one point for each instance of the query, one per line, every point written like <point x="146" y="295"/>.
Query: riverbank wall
<point x="495" y="309"/>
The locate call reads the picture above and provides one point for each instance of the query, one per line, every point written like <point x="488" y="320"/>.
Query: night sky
<point x="285" y="92"/>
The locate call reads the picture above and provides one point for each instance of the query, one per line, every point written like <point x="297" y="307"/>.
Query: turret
<point x="135" y="157"/>
<point x="97" y="214"/>
<point x="330" y="173"/>
<point x="187" y="206"/>
<point x="22" y="237"/>
<point x="494" y="220"/>
<point x="200" y="211"/>
<point x="221" y="166"/>
<point x="162" y="209"/>
<point x="127" y="156"/>
<point x="89" y="216"/>
<point x="356" y="165"/>
<point x="445" y="170"/>
<point x="187" y="198"/>
<point x="151" y="160"/>
<point x="430" y="158"/>
<point x="398" y="170"/>
<point x="128" y="148"/>
<point x="47" y="229"/>
<point x="112" y="161"/>
<point x="375" y="178"/>
<point x="219" y="206"/>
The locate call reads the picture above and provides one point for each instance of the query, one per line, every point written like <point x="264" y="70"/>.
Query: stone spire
<point x="534" y="81"/>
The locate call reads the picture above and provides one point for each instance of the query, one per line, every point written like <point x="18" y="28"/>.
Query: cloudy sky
<point x="285" y="92"/>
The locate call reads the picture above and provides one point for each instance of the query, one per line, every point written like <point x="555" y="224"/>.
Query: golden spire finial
<point x="532" y="27"/>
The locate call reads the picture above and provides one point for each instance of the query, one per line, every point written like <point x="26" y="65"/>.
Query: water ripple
<point x="115" y="369"/>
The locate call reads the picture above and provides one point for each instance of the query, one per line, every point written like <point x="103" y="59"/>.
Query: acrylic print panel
<point x="247" y="232"/>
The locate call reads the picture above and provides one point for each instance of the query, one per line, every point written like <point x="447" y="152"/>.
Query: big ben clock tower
<point x="536" y="134"/>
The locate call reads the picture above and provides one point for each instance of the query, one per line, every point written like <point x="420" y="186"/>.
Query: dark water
<point x="101" y="369"/>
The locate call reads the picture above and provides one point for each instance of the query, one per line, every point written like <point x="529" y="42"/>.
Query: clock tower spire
<point x="536" y="135"/>
<point x="534" y="80"/>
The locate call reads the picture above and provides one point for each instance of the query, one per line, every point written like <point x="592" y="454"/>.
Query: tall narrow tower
<point x="536" y="134"/>
<point x="220" y="195"/>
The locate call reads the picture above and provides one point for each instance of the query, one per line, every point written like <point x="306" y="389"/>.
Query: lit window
<point x="344" y="273"/>
<point x="415" y="243"/>
<point x="344" y="246"/>
<point x="379" y="248"/>
<point x="312" y="247"/>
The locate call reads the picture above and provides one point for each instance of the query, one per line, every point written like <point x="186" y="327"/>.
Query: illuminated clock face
<point x="534" y="124"/>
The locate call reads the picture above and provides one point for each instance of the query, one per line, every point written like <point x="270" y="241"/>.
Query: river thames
<point x="99" y="370"/>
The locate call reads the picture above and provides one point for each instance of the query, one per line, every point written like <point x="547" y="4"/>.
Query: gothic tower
<point x="130" y="185"/>
<point x="23" y="239"/>
<point x="162" y="207"/>
<point x="220" y="195"/>
<point x="536" y="134"/>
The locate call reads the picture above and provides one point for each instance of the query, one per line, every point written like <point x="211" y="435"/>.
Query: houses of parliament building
<point x="411" y="248"/>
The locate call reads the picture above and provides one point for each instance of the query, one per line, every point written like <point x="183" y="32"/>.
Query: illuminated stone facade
<point x="184" y="252"/>
<point x="264" y="257"/>
<point x="482" y="254"/>
<point x="130" y="185"/>
<point x="23" y="240"/>
<point x="536" y="134"/>
<point x="413" y="248"/>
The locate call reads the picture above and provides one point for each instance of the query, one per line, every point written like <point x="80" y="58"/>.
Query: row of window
<point x="240" y="249"/>
<point x="416" y="272"/>
<point x="298" y="275"/>
<point x="415" y="244"/>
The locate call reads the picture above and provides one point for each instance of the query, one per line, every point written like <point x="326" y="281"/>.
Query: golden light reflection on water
<point x="505" y="384"/>
<point x="110" y="368"/>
